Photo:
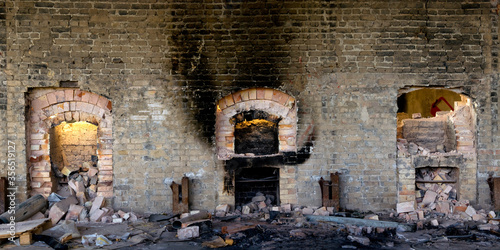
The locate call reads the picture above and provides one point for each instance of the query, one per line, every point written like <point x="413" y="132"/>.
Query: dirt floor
<point x="284" y="232"/>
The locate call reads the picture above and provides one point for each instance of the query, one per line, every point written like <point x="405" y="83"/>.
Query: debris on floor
<point x="285" y="226"/>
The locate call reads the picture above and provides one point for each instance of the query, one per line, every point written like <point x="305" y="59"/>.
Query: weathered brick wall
<point x="164" y="65"/>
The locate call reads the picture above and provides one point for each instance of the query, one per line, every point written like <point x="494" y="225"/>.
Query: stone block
<point x="307" y="211"/>
<point x="434" y="222"/>
<point x="106" y="219"/>
<point x="117" y="220"/>
<point x="371" y="217"/>
<point x="359" y="239"/>
<point x="188" y="233"/>
<point x="59" y="209"/>
<point x="92" y="172"/>
<point x="470" y="211"/>
<point x="262" y="205"/>
<point x="259" y="198"/>
<point x="245" y="210"/>
<point x="74" y="212"/>
<point x="286" y="208"/>
<point x="96" y="215"/>
<point x="97" y="203"/>
<point x="222" y="208"/>
<point x="429" y="197"/>
<point x="478" y="217"/>
<point x="405" y="207"/>
<point x="491" y="214"/>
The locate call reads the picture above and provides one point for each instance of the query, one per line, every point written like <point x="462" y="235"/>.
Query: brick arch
<point x="271" y="101"/>
<point x="49" y="109"/>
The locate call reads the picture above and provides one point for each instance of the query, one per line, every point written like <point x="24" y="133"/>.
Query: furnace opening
<point x="73" y="149"/>
<point x="256" y="132"/>
<point x="257" y="184"/>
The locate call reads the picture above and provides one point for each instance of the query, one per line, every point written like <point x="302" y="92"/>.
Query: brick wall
<point x="164" y="65"/>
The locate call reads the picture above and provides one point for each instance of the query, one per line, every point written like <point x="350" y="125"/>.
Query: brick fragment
<point x="59" y="209"/>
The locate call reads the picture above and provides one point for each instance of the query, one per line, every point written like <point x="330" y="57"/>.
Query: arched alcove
<point x="436" y="142"/>
<point x="48" y="108"/>
<point x="278" y="107"/>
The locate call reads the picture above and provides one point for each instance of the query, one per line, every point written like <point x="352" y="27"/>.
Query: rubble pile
<point x="82" y="180"/>
<point x="406" y="149"/>
<point x="436" y="206"/>
<point x="261" y="207"/>
<point x="70" y="208"/>
<point x="78" y="201"/>
<point x="435" y="186"/>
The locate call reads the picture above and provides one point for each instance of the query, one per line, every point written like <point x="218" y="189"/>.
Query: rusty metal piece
<point x="180" y="196"/>
<point x="237" y="227"/>
<point x="496" y="192"/>
<point x="202" y="215"/>
<point x="3" y="195"/>
<point x="196" y="222"/>
<point x="330" y="191"/>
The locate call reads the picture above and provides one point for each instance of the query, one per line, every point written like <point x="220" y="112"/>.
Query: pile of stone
<point x="428" y="194"/>
<point x="262" y="205"/>
<point x="79" y="200"/>
<point x="434" y="207"/>
<point x="82" y="180"/>
<point x="406" y="149"/>
<point x="70" y="208"/>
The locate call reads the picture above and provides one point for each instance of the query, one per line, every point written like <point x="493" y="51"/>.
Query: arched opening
<point x="256" y="132"/>
<point x="428" y="101"/>
<point x="70" y="142"/>
<point x="437" y="120"/>
<point x="436" y="146"/>
<point x="73" y="153"/>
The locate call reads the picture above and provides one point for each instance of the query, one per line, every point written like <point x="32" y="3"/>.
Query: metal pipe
<point x="361" y="222"/>
<point x="202" y="215"/>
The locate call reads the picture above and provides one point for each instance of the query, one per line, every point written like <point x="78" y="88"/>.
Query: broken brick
<point x="59" y="209"/>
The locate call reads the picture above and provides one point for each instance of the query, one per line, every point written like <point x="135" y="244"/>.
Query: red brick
<point x="102" y="102"/>
<point x="74" y="212"/>
<point x="237" y="97"/>
<point x="85" y="96"/>
<point x="109" y="106"/>
<point x="60" y="96"/>
<point x="78" y="95"/>
<point x="51" y="98"/>
<point x="93" y="98"/>
<point x="252" y="94"/>
<point x="68" y="95"/>
<point x="260" y="94"/>
<point x="40" y="103"/>
<point x="97" y="203"/>
<point x="58" y="210"/>
<point x="229" y="100"/>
